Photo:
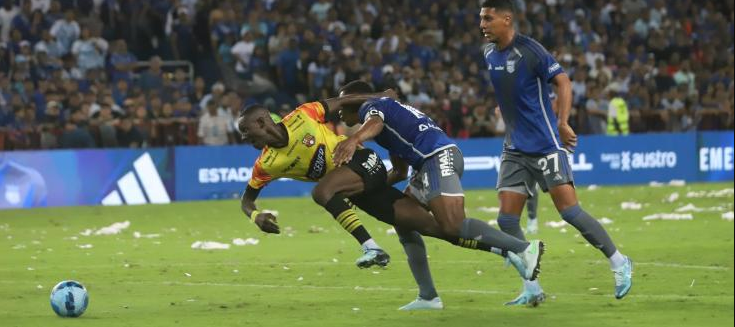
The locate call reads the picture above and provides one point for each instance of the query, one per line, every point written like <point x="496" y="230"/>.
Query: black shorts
<point x="379" y="203"/>
<point x="369" y="166"/>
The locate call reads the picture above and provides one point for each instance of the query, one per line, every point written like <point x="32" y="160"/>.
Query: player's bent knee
<point x="321" y="195"/>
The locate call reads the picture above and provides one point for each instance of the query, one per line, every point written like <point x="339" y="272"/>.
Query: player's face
<point x="349" y="117"/>
<point x="493" y="23"/>
<point x="254" y="132"/>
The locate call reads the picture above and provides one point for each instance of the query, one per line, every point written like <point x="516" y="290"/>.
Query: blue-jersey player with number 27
<point x="413" y="139"/>
<point x="536" y="142"/>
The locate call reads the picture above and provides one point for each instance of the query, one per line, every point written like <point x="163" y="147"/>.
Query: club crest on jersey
<point x="510" y="66"/>
<point x="308" y="140"/>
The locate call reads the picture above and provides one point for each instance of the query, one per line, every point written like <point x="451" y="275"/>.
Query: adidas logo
<point x="129" y="186"/>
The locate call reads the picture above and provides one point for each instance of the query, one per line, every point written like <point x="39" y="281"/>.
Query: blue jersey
<point x="407" y="132"/>
<point x="20" y="187"/>
<point x="521" y="74"/>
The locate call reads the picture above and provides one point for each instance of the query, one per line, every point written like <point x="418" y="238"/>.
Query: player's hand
<point x="344" y="151"/>
<point x="568" y="137"/>
<point x="267" y="223"/>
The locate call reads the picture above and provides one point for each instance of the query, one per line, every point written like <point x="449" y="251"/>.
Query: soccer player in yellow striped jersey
<point x="300" y="147"/>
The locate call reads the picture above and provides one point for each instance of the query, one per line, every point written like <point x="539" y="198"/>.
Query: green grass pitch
<point x="306" y="276"/>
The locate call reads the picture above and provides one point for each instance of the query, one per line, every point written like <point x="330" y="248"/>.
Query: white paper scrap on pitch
<point x="672" y="197"/>
<point x="728" y="216"/>
<point x="677" y="182"/>
<point x="723" y="193"/>
<point x="492" y="222"/>
<point x="655" y="184"/>
<point x="85" y="246"/>
<point x="247" y="241"/>
<point x="209" y="245"/>
<point x="137" y="234"/>
<point x="605" y="221"/>
<point x="592" y="187"/>
<point x="555" y="224"/>
<point x="113" y="229"/>
<point x="669" y="216"/>
<point x="489" y="209"/>
<point x="691" y="207"/>
<point x="631" y="205"/>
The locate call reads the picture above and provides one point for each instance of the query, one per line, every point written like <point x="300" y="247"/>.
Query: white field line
<point x="404" y="290"/>
<point x="138" y="265"/>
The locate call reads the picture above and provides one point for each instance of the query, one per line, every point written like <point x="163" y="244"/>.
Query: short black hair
<point x="500" y="5"/>
<point x="251" y="109"/>
<point x="357" y="86"/>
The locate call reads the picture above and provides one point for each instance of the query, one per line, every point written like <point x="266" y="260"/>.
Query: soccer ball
<point x="69" y="299"/>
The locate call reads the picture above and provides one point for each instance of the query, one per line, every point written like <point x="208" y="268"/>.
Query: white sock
<point x="617" y="260"/>
<point x="370" y="244"/>
<point x="532" y="287"/>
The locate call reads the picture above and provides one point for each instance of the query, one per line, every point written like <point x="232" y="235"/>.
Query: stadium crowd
<point x="108" y="73"/>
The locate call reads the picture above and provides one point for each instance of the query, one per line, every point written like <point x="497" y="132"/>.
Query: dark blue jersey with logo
<point x="407" y="132"/>
<point x="521" y="74"/>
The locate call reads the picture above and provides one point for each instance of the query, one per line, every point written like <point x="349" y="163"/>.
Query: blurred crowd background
<point x="136" y="73"/>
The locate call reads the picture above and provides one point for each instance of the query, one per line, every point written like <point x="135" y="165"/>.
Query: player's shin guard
<point x="415" y="250"/>
<point x="590" y="228"/>
<point x="477" y="234"/>
<point x="346" y="216"/>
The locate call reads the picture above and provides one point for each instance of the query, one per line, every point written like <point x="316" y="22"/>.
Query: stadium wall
<point x="127" y="176"/>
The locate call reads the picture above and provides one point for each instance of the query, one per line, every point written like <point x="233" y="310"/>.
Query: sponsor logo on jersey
<point x="554" y="67"/>
<point x="308" y="140"/>
<point x="318" y="165"/>
<point x="445" y="163"/>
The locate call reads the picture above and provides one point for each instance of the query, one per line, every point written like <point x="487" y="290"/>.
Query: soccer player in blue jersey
<point x="413" y="139"/>
<point x="536" y="142"/>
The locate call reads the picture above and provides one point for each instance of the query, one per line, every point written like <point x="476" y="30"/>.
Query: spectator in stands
<point x="89" y="52"/>
<point x="215" y="127"/>
<point x="128" y="135"/>
<point x="215" y="96"/>
<point x="66" y="31"/>
<point x="151" y="80"/>
<point x="8" y="11"/>
<point x="482" y="122"/>
<point x="243" y="53"/>
<point x="22" y="21"/>
<point x="76" y="133"/>
<point x="123" y="62"/>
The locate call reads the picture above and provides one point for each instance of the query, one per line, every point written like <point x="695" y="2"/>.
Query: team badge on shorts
<point x="308" y="140"/>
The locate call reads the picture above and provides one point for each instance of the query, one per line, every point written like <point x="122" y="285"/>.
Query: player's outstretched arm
<point x="399" y="171"/>
<point x="265" y="221"/>
<point x="345" y="149"/>
<point x="335" y="104"/>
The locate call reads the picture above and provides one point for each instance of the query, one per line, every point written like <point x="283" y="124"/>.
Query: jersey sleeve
<point x="544" y="63"/>
<point x="315" y="110"/>
<point x="260" y="178"/>
<point x="372" y="108"/>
